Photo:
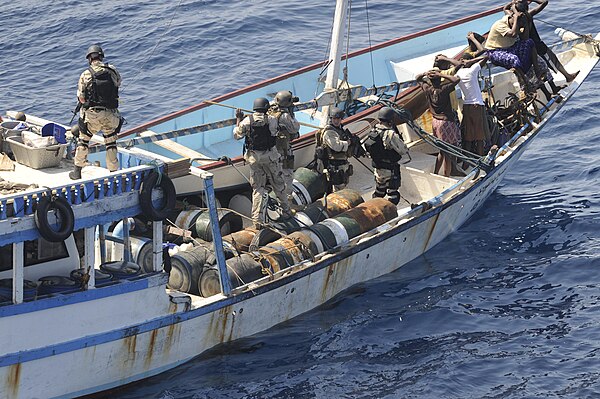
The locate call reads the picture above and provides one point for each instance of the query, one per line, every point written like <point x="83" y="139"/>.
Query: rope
<point x="369" y="34"/>
<point x="155" y="46"/>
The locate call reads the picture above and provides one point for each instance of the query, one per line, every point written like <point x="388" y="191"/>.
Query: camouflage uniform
<point x="98" y="119"/>
<point x="265" y="167"/>
<point x="287" y="130"/>
<point x="338" y="170"/>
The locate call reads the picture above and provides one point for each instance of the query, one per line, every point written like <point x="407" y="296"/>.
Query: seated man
<point x="504" y="48"/>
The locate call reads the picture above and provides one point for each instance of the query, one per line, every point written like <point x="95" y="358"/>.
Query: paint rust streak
<point x="12" y="380"/>
<point x="173" y="334"/>
<point x="130" y="344"/>
<point x="431" y="229"/>
<point x="151" y="349"/>
<point x="329" y="278"/>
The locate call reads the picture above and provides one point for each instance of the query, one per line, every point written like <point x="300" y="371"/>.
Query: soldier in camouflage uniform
<point x="287" y="130"/>
<point x="260" y="131"/>
<point x="98" y="93"/>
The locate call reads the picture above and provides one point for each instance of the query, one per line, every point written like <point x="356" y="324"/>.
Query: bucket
<point x="6" y="287"/>
<point x="57" y="285"/>
<point x="308" y="186"/>
<point x="229" y="221"/>
<point x="242" y="269"/>
<point x="342" y="200"/>
<point x="186" y="268"/>
<point x="100" y="278"/>
<point x="58" y="132"/>
<point x="10" y="129"/>
<point x="241" y="239"/>
<point x="242" y="203"/>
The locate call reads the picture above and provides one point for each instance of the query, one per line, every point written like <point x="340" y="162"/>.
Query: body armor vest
<point x="102" y="90"/>
<point x="334" y="155"/>
<point x="259" y="138"/>
<point x="382" y="158"/>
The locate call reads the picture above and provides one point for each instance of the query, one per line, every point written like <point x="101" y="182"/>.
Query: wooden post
<point x="90" y="254"/>
<point x="18" y="272"/>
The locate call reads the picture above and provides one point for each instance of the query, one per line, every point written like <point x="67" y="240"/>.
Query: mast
<point x="335" y="53"/>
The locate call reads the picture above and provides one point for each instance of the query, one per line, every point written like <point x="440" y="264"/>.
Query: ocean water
<point x="506" y="307"/>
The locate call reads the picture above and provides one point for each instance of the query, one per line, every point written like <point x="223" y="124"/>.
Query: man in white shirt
<point x="474" y="126"/>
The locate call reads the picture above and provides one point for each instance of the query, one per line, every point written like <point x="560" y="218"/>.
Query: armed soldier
<point x="260" y="132"/>
<point x="98" y="93"/>
<point x="287" y="130"/>
<point x="386" y="147"/>
<point x="334" y="146"/>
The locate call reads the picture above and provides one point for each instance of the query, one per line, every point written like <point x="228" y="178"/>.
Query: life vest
<point x="382" y="158"/>
<point x="259" y="138"/>
<point x="102" y="90"/>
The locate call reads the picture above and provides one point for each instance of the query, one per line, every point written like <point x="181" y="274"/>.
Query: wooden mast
<point x="335" y="53"/>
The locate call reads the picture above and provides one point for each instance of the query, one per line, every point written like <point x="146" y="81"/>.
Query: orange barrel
<point x="305" y="242"/>
<point x="241" y="239"/>
<point x="272" y="259"/>
<point x="242" y="270"/>
<point x="242" y="203"/>
<point x="229" y="221"/>
<point x="186" y="268"/>
<point x="342" y="200"/>
<point x="308" y="186"/>
<point x="367" y="216"/>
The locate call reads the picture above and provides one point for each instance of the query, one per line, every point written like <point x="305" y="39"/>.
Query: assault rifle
<point x="76" y="111"/>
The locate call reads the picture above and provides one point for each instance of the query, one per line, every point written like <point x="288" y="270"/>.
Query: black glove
<point x="239" y="114"/>
<point x="226" y="159"/>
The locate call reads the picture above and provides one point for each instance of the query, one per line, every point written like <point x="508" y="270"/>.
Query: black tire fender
<point x="168" y="203"/>
<point x="66" y="217"/>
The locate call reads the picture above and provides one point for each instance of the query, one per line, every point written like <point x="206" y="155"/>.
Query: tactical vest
<point x="102" y="90"/>
<point x="259" y="138"/>
<point x="333" y="155"/>
<point x="382" y="158"/>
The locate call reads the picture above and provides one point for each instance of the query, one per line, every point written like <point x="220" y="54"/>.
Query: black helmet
<point x="95" y="48"/>
<point x="261" y="104"/>
<point x="335" y="112"/>
<point x="386" y="114"/>
<point x="284" y="98"/>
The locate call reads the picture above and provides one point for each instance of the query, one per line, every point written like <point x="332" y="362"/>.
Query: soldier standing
<point x="386" y="147"/>
<point x="98" y="93"/>
<point x="334" y="146"/>
<point x="287" y="130"/>
<point x="260" y="132"/>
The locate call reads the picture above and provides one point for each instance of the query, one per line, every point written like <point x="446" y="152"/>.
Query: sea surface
<point x="506" y="307"/>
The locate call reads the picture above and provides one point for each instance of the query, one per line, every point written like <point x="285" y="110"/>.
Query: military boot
<point x="76" y="173"/>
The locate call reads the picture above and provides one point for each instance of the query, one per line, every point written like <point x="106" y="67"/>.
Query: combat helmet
<point x="386" y="114"/>
<point x="335" y="112"/>
<point x="94" y="48"/>
<point x="284" y="98"/>
<point x="261" y="104"/>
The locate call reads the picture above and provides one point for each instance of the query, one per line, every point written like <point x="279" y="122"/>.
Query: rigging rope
<point x="370" y="46"/>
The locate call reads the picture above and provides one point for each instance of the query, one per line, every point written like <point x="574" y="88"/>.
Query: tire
<point x="168" y="203"/>
<point x="66" y="217"/>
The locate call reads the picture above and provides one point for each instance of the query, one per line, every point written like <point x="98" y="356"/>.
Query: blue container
<point x="29" y="289"/>
<point x="59" y="132"/>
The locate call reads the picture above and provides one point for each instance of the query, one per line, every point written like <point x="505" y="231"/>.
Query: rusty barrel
<point x="367" y="216"/>
<point x="186" y="219"/>
<point x="186" y="269"/>
<point x="241" y="240"/>
<point x="229" y="221"/>
<point x="241" y="269"/>
<point x="307" y="186"/>
<point x="305" y="243"/>
<point x="342" y="200"/>
<point x="288" y="251"/>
